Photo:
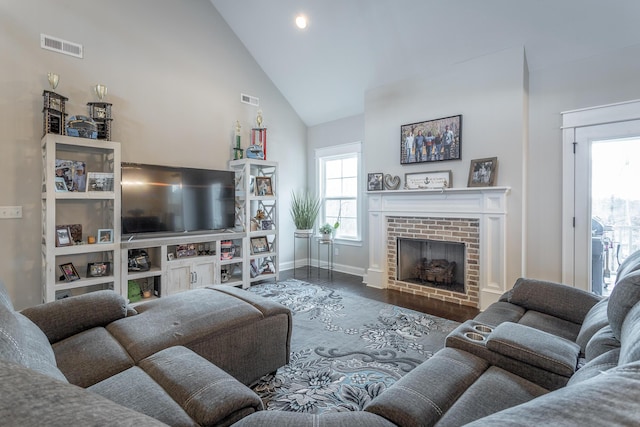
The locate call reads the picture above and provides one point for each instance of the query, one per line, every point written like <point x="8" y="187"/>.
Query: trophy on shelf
<point x="54" y="106"/>
<point x="258" y="147"/>
<point x="237" y="151"/>
<point x="100" y="112"/>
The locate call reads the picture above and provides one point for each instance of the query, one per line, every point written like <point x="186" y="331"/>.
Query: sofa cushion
<point x="535" y="347"/>
<point x="595" y="320"/>
<point x="327" y="419"/>
<point x="555" y="299"/>
<point x="500" y="311"/>
<point x="91" y="356"/>
<point x="630" y="341"/>
<point x="208" y="395"/>
<point x="180" y="319"/>
<point x="602" y="342"/>
<point x="22" y="342"/>
<point x="596" y="366"/>
<point x="5" y="301"/>
<point x="551" y="324"/>
<point x="135" y="390"/>
<point x="625" y="294"/>
<point x="427" y="392"/>
<point x="605" y="400"/>
<point x="66" y="317"/>
<point x="33" y="399"/>
<point x="494" y="391"/>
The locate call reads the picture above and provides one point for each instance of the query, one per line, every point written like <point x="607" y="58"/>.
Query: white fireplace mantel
<point x="487" y="204"/>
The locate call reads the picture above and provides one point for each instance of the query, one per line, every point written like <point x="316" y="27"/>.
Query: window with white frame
<point x="338" y="177"/>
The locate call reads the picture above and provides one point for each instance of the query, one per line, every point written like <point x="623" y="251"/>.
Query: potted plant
<point x="327" y="231"/>
<point x="304" y="210"/>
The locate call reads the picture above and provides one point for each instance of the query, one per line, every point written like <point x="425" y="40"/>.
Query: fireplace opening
<point x="432" y="263"/>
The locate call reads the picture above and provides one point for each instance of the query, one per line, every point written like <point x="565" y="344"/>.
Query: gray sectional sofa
<point x="545" y="354"/>
<point x="181" y="360"/>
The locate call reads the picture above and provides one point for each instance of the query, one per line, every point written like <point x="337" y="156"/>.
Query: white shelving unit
<point x="260" y="265"/>
<point x="93" y="210"/>
<point x="202" y="263"/>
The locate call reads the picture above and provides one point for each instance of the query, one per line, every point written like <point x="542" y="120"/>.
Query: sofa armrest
<point x="535" y="347"/>
<point x="69" y="316"/>
<point x="555" y="299"/>
<point x="205" y="392"/>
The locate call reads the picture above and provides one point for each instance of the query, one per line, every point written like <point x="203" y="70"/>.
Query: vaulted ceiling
<point x="351" y="46"/>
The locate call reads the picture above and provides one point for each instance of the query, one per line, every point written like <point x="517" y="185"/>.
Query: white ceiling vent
<point x="248" y="99"/>
<point x="61" y="46"/>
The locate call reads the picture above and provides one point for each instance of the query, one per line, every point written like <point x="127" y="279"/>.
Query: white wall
<point x="600" y="80"/>
<point x="490" y="93"/>
<point x="352" y="258"/>
<point x="174" y="72"/>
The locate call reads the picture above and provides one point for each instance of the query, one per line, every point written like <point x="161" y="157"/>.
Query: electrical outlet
<point x="336" y="251"/>
<point x="8" y="212"/>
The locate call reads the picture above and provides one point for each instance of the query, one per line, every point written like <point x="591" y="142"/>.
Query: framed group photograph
<point x="375" y="182"/>
<point x="431" y="140"/>
<point x="259" y="245"/>
<point x="427" y="180"/>
<point x="483" y="172"/>
<point x="98" y="269"/>
<point x="69" y="271"/>
<point x="263" y="186"/>
<point x="105" y="235"/>
<point x="63" y="236"/>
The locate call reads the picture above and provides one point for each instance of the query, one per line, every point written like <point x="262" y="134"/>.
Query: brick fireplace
<point x="464" y="231"/>
<point x="475" y="217"/>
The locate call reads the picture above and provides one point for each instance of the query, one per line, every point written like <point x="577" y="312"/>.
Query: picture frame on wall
<point x="431" y="141"/>
<point x="375" y="181"/>
<point x="483" y="172"/>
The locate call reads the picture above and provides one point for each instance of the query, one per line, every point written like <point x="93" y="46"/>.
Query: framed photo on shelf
<point x="105" y="235"/>
<point x="266" y="224"/>
<point x="98" y="269"/>
<point x="374" y="182"/>
<point x="427" y="180"/>
<point x="63" y="236"/>
<point x="263" y="186"/>
<point x="69" y="271"/>
<point x="99" y="181"/>
<point x="431" y="140"/>
<point x="259" y="245"/>
<point x="61" y="185"/>
<point x="483" y="172"/>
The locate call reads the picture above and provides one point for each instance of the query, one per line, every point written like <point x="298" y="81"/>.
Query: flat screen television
<point x="171" y="200"/>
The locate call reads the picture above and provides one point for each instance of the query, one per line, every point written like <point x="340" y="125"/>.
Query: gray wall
<point x="174" y="71"/>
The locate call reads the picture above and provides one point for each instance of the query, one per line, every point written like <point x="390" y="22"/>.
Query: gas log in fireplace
<point x="433" y="263"/>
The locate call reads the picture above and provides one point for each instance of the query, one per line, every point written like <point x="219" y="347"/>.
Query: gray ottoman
<point x="244" y="334"/>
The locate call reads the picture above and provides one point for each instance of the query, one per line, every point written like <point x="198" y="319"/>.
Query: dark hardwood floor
<point x="353" y="284"/>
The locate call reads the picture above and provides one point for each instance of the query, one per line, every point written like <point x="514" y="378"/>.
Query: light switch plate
<point x="7" y="212"/>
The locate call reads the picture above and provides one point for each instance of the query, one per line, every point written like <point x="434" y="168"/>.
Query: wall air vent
<point x="61" y="46"/>
<point x="248" y="99"/>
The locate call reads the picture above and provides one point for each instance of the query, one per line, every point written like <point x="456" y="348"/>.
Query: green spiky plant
<point x="304" y="209"/>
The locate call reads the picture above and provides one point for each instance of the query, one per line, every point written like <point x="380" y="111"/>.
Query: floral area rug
<point x="345" y="349"/>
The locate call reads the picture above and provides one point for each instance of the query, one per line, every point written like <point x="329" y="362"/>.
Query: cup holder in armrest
<point x="483" y="328"/>
<point x="473" y="336"/>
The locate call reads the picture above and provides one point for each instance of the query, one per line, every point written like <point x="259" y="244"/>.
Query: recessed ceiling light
<point x="301" y="22"/>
